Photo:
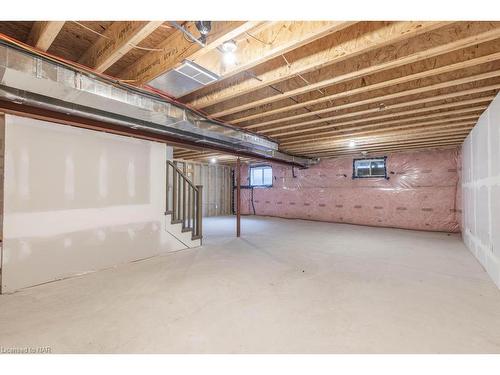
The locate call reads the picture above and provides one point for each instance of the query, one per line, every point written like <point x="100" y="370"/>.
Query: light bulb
<point x="229" y="58"/>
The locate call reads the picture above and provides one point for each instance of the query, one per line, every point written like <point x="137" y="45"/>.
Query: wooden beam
<point x="390" y="150"/>
<point x="341" y="126"/>
<point x="43" y="33"/>
<point x="384" y="145"/>
<point x="413" y="77"/>
<point x="444" y="107"/>
<point x="177" y="47"/>
<point x="463" y="132"/>
<point x="279" y="38"/>
<point x="319" y="141"/>
<point x="395" y="140"/>
<point x="397" y="145"/>
<point x="400" y="94"/>
<point x="387" y="107"/>
<point x="350" y="134"/>
<point x="450" y="129"/>
<point x="457" y="50"/>
<point x="117" y="40"/>
<point x="384" y="83"/>
<point x="350" y="42"/>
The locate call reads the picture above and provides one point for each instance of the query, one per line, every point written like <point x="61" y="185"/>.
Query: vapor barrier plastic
<point x="420" y="192"/>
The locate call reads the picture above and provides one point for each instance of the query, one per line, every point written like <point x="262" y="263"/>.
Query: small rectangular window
<point x="366" y="168"/>
<point x="261" y="175"/>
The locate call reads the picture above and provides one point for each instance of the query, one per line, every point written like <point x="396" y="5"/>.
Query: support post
<point x="238" y="198"/>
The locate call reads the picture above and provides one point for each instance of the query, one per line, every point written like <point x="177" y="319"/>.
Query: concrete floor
<point x="287" y="286"/>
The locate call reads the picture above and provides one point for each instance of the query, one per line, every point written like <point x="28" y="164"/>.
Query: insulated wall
<point x="77" y="200"/>
<point x="481" y="190"/>
<point x="420" y="193"/>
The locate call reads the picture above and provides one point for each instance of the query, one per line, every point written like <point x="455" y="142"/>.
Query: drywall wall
<point x="420" y="193"/>
<point x="481" y="190"/>
<point x="216" y="182"/>
<point x="77" y="200"/>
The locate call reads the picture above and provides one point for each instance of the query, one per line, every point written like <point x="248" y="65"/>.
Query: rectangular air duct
<point x="182" y="80"/>
<point x="31" y="79"/>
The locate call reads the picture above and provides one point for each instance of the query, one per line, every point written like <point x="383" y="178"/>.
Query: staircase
<point x="183" y="202"/>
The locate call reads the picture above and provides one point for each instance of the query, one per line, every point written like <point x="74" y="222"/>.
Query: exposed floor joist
<point x="352" y="41"/>
<point x="43" y="33"/>
<point x="471" y="36"/>
<point x="260" y="46"/>
<point x="178" y="47"/>
<point x="116" y="41"/>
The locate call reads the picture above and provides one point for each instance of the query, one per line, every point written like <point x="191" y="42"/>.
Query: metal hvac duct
<point x="26" y="78"/>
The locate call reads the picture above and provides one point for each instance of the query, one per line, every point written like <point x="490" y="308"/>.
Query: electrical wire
<point x="91" y="30"/>
<point x="266" y="43"/>
<point x="130" y="44"/>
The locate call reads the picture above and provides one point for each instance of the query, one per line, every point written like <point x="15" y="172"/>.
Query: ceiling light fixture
<point x="229" y="46"/>
<point x="228" y="49"/>
<point x="213" y="160"/>
<point x="352" y="144"/>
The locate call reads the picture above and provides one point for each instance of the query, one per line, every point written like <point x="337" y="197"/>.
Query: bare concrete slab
<point x="287" y="286"/>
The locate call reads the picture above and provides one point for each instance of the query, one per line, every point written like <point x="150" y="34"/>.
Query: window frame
<point x="259" y="166"/>
<point x="384" y="158"/>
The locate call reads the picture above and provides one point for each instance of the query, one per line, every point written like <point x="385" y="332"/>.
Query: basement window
<point x="261" y="175"/>
<point x="368" y="168"/>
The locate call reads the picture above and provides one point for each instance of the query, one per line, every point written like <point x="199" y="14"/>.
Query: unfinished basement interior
<point x="250" y="186"/>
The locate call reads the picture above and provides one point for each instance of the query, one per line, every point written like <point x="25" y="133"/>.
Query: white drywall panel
<point x="78" y="200"/>
<point x="481" y="190"/>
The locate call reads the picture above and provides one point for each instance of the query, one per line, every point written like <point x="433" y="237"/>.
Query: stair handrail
<point x="193" y="213"/>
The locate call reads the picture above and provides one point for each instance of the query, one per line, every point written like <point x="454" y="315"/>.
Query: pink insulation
<point x="421" y="192"/>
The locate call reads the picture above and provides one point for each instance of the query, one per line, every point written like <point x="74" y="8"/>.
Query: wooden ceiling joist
<point x="408" y="128"/>
<point x="467" y="42"/>
<point x="176" y="48"/>
<point x="278" y="38"/>
<point x="400" y="94"/>
<point x="385" y="151"/>
<point x="350" y="42"/>
<point x="395" y="144"/>
<point x="395" y="140"/>
<point x="117" y="40"/>
<point x="475" y="112"/>
<point x="409" y="78"/>
<point x="388" y="107"/>
<point x="43" y="33"/>
<point x="445" y="107"/>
